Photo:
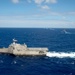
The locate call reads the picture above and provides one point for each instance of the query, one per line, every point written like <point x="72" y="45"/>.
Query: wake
<point x="61" y="54"/>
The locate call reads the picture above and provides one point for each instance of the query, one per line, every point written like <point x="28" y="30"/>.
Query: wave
<point x="61" y="54"/>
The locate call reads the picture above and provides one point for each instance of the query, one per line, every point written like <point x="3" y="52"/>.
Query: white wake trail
<point x="61" y="54"/>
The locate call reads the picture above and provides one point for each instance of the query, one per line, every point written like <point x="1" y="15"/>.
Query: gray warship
<point x="22" y="50"/>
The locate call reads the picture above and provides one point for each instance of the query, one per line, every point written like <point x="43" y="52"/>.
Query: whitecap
<point x="15" y="62"/>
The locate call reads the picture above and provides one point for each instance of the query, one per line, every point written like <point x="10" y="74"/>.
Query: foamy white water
<point x="61" y="54"/>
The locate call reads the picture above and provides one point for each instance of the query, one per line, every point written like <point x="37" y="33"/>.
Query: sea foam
<point x="61" y="54"/>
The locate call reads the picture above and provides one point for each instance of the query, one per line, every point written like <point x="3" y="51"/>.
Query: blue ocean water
<point x="55" y="39"/>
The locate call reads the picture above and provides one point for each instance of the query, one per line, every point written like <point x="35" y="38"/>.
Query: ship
<point x="66" y="32"/>
<point x="22" y="50"/>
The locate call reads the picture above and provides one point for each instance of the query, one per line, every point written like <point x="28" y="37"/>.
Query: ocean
<point x="60" y="60"/>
